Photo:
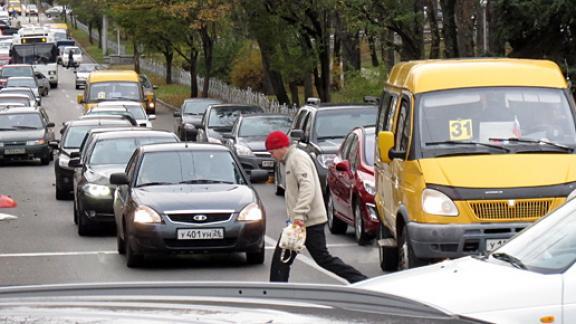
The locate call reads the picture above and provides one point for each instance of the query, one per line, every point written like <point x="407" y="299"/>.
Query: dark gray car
<point x="189" y="117"/>
<point x="219" y="119"/>
<point x="182" y="198"/>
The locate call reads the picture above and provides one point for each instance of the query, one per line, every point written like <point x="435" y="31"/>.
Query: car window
<point x="75" y="135"/>
<point x="119" y="150"/>
<point x="16" y="71"/>
<point x="337" y="123"/>
<point x="29" y="83"/>
<point x="369" y="143"/>
<point x="102" y="91"/>
<point x="196" y="107"/>
<point x="9" y="100"/>
<point x="21" y="121"/>
<point x="196" y="167"/>
<point x="353" y="153"/>
<point x="227" y="116"/>
<point x="345" y="148"/>
<point x="403" y="129"/>
<point x="262" y="126"/>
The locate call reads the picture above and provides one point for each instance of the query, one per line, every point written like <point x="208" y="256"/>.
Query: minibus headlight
<point x="436" y="203"/>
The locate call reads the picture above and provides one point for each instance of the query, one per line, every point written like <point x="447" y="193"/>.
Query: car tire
<point x="388" y="255"/>
<point x="279" y="190"/>
<point x="256" y="257"/>
<point x="53" y="85"/>
<point x="84" y="227"/>
<point x="45" y="160"/>
<point x="406" y="257"/>
<point x="335" y="225"/>
<point x="362" y="238"/>
<point x="121" y="245"/>
<point x="133" y="260"/>
<point x="75" y="213"/>
<point x="60" y="194"/>
<point x="77" y="87"/>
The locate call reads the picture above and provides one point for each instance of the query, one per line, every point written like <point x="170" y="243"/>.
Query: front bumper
<point x="24" y="152"/>
<point x="96" y="210"/>
<point x="438" y="241"/>
<point x="250" y="163"/>
<point x="162" y="239"/>
<point x="80" y="82"/>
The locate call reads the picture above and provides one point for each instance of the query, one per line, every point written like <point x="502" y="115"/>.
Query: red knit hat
<point x="276" y="140"/>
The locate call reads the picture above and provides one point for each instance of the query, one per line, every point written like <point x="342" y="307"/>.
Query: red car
<point x="351" y="187"/>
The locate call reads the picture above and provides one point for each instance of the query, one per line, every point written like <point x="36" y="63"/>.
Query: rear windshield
<point x="119" y="150"/>
<point x="262" y="126"/>
<point x="20" y="122"/>
<point x="29" y="83"/>
<point x="196" y="107"/>
<point x="103" y="91"/>
<point x="16" y="71"/>
<point x="338" y="123"/>
<point x="227" y="116"/>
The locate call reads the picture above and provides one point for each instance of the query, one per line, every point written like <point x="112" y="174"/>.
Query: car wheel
<point x="362" y="238"/>
<point x="133" y="260"/>
<point x="388" y="255"/>
<point x="406" y="257"/>
<point x="121" y="244"/>
<point x="84" y="227"/>
<point x="75" y="213"/>
<point x="45" y="160"/>
<point x="279" y="190"/>
<point x="60" y="194"/>
<point x="335" y="225"/>
<point x="256" y="257"/>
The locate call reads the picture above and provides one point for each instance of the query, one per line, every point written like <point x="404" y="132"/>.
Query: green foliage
<point x="368" y="82"/>
<point x="82" y="38"/>
<point x="247" y="70"/>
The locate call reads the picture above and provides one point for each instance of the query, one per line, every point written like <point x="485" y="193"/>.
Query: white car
<point x="76" y="55"/>
<point x="135" y="109"/>
<point x="531" y="279"/>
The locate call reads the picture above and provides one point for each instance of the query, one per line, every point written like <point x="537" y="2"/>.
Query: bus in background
<point x="42" y="57"/>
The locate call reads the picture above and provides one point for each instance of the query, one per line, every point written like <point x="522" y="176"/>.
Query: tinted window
<point x="102" y="91"/>
<point x="86" y="68"/>
<point x="119" y="150"/>
<point x="29" y="83"/>
<point x="21" y="121"/>
<point x="195" y="167"/>
<point x="369" y="139"/>
<point x="196" y="107"/>
<point x="75" y="135"/>
<point x="338" y="123"/>
<point x="227" y="116"/>
<point x="262" y="126"/>
<point x="17" y="71"/>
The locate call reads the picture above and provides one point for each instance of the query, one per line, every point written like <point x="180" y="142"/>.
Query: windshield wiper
<point x="533" y="141"/>
<point x="196" y="181"/>
<point x="470" y="143"/>
<point x="514" y="261"/>
<point x="25" y="127"/>
<point x="154" y="184"/>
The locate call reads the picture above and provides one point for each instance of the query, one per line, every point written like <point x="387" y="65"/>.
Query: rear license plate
<point x="11" y="151"/>
<point x="267" y="164"/>
<point x="201" y="234"/>
<point x="492" y="245"/>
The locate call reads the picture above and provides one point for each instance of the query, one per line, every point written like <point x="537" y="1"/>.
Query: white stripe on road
<point x="43" y="254"/>
<point x="308" y="261"/>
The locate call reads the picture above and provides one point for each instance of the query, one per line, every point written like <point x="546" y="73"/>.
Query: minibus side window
<point x="403" y="129"/>
<point x="387" y="112"/>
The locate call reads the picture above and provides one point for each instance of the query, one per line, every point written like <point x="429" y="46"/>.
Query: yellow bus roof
<point x="433" y="75"/>
<point x="57" y="26"/>
<point x="113" y="75"/>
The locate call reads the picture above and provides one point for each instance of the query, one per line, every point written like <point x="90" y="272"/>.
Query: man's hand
<point x="299" y="223"/>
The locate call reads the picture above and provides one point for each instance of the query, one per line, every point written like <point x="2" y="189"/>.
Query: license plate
<point x="201" y="234"/>
<point x="492" y="245"/>
<point x="10" y="151"/>
<point x="267" y="164"/>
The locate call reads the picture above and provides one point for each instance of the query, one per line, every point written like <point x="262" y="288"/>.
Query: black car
<point x="25" y="134"/>
<point x="319" y="129"/>
<point x="73" y="133"/>
<point x="219" y="119"/>
<point x="182" y="198"/>
<point x="248" y="136"/>
<point x="189" y="118"/>
<point x="107" y="153"/>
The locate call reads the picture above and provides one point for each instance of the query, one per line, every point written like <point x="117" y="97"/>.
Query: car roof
<point x="13" y="95"/>
<point x="15" y="89"/>
<point x="432" y="75"/>
<point x="16" y="65"/>
<point x="233" y="105"/>
<point x="202" y="100"/>
<point x="100" y="121"/>
<point x="113" y="75"/>
<point x="20" y="77"/>
<point x="107" y="109"/>
<point x="118" y="103"/>
<point x="167" y="147"/>
<point x="266" y="115"/>
<point x="134" y="133"/>
<point x="18" y="110"/>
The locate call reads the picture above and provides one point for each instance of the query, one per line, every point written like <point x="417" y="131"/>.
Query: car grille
<point x="189" y="218"/>
<point x="262" y="154"/>
<point x="12" y="144"/>
<point x="510" y="209"/>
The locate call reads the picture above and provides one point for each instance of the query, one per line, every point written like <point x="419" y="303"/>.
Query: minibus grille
<point x="510" y="209"/>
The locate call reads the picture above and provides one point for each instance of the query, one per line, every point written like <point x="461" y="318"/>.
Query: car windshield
<point x="25" y="82"/>
<point x="5" y="46"/>
<point x="483" y="115"/>
<point x="336" y="123"/>
<point x="369" y="139"/>
<point x="262" y="126"/>
<point x="196" y="107"/>
<point x="102" y="91"/>
<point x="16" y="71"/>
<point x="199" y="167"/>
<point x="85" y="68"/>
<point x="119" y="150"/>
<point x="20" y="121"/>
<point x="75" y="135"/>
<point x="227" y="116"/>
<point x="17" y="100"/>
<point x="549" y="246"/>
<point x="74" y="50"/>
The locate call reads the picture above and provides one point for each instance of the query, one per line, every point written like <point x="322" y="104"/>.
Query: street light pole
<point x="484" y="5"/>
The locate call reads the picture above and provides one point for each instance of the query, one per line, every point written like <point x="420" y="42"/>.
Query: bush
<point x="247" y="70"/>
<point x="369" y="82"/>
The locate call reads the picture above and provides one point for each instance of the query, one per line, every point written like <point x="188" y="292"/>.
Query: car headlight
<point x="98" y="191"/>
<point x="325" y="159"/>
<point x="436" y="203"/>
<point x="252" y="212"/>
<point x="146" y="215"/>
<point x="214" y="140"/>
<point x="36" y="142"/>
<point x="369" y="187"/>
<point x="243" y="150"/>
<point x="151" y="104"/>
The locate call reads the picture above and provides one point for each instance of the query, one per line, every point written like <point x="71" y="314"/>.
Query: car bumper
<point x="97" y="210"/>
<point x="162" y="239"/>
<point x="438" y="241"/>
<point x="256" y="162"/>
<point x="80" y="82"/>
<point x="24" y="152"/>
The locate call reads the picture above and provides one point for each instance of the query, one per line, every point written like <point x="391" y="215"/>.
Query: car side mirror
<point x="50" y="125"/>
<point x="119" y="178"/>
<point x="343" y="166"/>
<point x="80" y="99"/>
<point x="151" y="117"/>
<point x="258" y="176"/>
<point x="177" y="114"/>
<point x="75" y="155"/>
<point x="385" y="145"/>
<point x="190" y="129"/>
<point x="74" y="163"/>
<point x="297" y="135"/>
<point x="61" y="131"/>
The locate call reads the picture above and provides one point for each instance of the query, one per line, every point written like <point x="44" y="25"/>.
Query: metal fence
<point x="217" y="88"/>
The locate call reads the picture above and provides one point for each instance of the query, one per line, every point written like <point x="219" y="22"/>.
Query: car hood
<point x="101" y="174"/>
<point x="191" y="119"/>
<point x="21" y="135"/>
<point x="330" y="145"/>
<point x="500" y="171"/>
<point x="197" y="196"/>
<point x="255" y="143"/>
<point x="470" y="286"/>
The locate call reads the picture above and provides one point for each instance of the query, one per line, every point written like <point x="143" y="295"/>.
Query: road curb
<point x="167" y="105"/>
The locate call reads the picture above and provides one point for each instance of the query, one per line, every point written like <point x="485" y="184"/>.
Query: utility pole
<point x="484" y="5"/>
<point x="104" y="35"/>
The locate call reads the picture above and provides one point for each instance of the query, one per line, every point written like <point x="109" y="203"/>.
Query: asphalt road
<point x="42" y="246"/>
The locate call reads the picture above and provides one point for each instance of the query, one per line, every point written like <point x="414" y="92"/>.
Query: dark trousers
<point x="316" y="245"/>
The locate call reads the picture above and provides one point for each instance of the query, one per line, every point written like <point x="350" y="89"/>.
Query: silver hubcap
<point x="357" y="222"/>
<point x="330" y="210"/>
<point x="404" y="255"/>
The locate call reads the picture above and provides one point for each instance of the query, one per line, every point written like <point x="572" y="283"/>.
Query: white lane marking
<point x="308" y="261"/>
<point x="43" y="254"/>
